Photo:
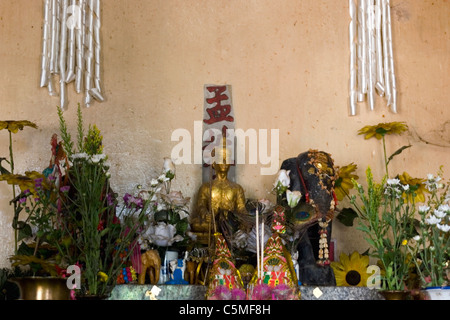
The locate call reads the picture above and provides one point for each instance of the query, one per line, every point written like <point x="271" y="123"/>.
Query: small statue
<point x="177" y="267"/>
<point x="221" y="198"/>
<point x="151" y="263"/>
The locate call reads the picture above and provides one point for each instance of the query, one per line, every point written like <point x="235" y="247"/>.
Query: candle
<point x="262" y="247"/>
<point x="257" y="242"/>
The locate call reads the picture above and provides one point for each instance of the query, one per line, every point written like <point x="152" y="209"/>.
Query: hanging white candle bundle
<point x="375" y="59"/>
<point x="71" y="48"/>
<point x="353" y="53"/>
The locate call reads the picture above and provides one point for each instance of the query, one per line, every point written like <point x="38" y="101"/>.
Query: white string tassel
<point x="379" y="50"/>
<point x="362" y="51"/>
<point x="79" y="37"/>
<point x="46" y="38"/>
<point x="73" y="22"/>
<point x="89" y="53"/>
<point x="393" y="99"/>
<point x="62" y="56"/>
<point x="96" y="90"/>
<point x="371" y="54"/>
<point x="353" y="72"/>
<point x="387" y="85"/>
<point x="71" y="48"/>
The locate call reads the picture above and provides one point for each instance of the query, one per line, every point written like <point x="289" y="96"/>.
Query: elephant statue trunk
<point x="313" y="174"/>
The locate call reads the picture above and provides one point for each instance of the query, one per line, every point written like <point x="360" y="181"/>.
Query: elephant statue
<point x="190" y="273"/>
<point x="313" y="174"/>
<point x="151" y="263"/>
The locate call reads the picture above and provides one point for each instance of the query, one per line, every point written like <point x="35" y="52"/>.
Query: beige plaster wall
<point x="287" y="62"/>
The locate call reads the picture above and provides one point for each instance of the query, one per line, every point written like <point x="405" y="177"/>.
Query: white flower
<point x="95" y="158"/>
<point x="282" y="178"/>
<point x="183" y="214"/>
<point x="445" y="208"/>
<point x="163" y="234"/>
<point x="175" y="198"/>
<point x="424" y="209"/>
<point x="439" y="213"/>
<point x="416" y="238"/>
<point x="81" y="155"/>
<point x="154" y="182"/>
<point x="161" y="206"/>
<point x="432" y="220"/>
<point x="293" y="197"/>
<point x="163" y="178"/>
<point x="432" y="182"/>
<point x="443" y="227"/>
<point x="393" y="182"/>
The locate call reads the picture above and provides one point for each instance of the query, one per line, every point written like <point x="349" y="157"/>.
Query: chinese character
<point x="219" y="112"/>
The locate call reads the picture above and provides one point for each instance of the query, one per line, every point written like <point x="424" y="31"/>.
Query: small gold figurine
<point x="221" y="198"/>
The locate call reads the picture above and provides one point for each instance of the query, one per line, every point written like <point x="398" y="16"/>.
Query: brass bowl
<point x="42" y="288"/>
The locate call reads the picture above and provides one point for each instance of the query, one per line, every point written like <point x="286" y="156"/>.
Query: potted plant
<point x="430" y="248"/>
<point x="386" y="219"/>
<point x="385" y="213"/>
<point x="34" y="210"/>
<point x="98" y="232"/>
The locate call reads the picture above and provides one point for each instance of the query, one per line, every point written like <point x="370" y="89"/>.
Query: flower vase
<point x="42" y="288"/>
<point x="395" y="294"/>
<point x="436" y="293"/>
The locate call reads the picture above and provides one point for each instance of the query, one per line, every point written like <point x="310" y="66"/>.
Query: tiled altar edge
<point x="197" y="292"/>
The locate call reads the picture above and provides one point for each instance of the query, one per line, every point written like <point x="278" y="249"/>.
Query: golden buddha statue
<point x="220" y="198"/>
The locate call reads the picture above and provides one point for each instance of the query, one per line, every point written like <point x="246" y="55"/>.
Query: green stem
<point x="385" y="157"/>
<point x="11" y="162"/>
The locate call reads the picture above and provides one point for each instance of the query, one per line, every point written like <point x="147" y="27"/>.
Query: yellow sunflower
<point x="405" y="178"/>
<point x="14" y="126"/>
<point x="351" y="271"/>
<point x="344" y="182"/>
<point x="380" y="130"/>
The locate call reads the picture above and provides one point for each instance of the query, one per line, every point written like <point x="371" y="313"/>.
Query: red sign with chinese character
<point x="218" y="117"/>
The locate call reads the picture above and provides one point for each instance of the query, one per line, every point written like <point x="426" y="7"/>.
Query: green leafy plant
<point x="430" y="248"/>
<point x="387" y="220"/>
<point x="95" y="229"/>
